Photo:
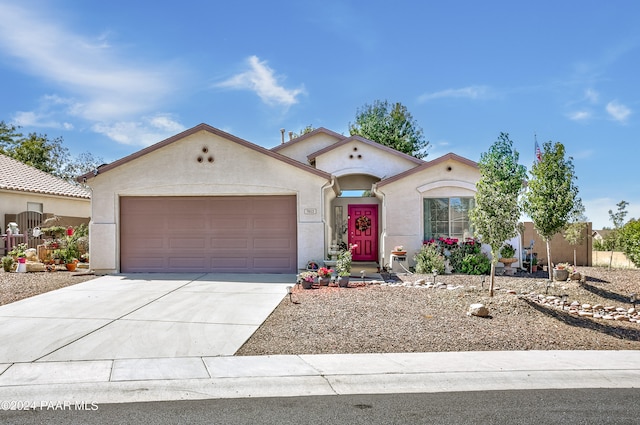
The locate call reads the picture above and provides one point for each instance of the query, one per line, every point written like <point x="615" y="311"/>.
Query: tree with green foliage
<point x="574" y="234"/>
<point x="630" y="240"/>
<point x="392" y="125"/>
<point x="307" y="129"/>
<point x="551" y="198"/>
<point x="497" y="210"/>
<point x="614" y="240"/>
<point x="48" y="155"/>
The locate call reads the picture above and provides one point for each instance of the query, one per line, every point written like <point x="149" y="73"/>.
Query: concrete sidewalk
<point x="189" y="378"/>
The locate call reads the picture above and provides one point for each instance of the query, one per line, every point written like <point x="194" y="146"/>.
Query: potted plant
<point x="69" y="254"/>
<point x="399" y="250"/>
<point x="507" y="257"/>
<point x="343" y="266"/>
<point x="561" y="272"/>
<point x="307" y="279"/>
<point x="534" y="264"/>
<point x="324" y="276"/>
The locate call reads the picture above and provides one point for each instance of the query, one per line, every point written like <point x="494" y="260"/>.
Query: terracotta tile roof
<point x="14" y="175"/>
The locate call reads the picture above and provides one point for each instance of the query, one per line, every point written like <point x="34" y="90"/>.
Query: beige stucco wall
<point x="302" y="149"/>
<point x="16" y="202"/>
<point x="356" y="157"/>
<point x="173" y="170"/>
<point x="402" y="221"/>
<point x="616" y="259"/>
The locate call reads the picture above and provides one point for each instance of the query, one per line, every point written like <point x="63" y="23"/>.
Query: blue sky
<point x="111" y="77"/>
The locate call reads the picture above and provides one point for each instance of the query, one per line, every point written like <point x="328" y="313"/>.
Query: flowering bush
<point x="324" y="271"/>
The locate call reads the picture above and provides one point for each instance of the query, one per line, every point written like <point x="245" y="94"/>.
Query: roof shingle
<point x="14" y="175"/>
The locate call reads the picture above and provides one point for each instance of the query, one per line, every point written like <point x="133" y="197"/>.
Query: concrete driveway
<point x="140" y="316"/>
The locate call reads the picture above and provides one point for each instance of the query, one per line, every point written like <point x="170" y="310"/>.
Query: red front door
<point x="363" y="231"/>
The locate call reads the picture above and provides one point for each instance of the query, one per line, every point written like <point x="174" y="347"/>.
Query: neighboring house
<point x="601" y="235"/>
<point x="28" y="196"/>
<point x="207" y="201"/>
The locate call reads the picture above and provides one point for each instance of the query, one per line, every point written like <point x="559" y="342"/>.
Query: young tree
<point x="630" y="239"/>
<point x="551" y="198"/>
<point x="574" y="234"/>
<point x="617" y="219"/>
<point x="497" y="210"/>
<point x="391" y="125"/>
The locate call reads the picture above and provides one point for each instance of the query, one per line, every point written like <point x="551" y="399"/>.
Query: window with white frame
<point x="447" y="217"/>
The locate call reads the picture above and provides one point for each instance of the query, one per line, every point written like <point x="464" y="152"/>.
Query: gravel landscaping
<point x="383" y="318"/>
<point x="399" y="317"/>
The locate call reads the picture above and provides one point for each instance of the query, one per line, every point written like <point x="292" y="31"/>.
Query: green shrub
<point x="475" y="264"/>
<point x="630" y="241"/>
<point x="428" y="259"/>
<point x="459" y="252"/>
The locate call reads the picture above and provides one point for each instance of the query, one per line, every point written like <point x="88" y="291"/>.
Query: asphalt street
<point x="566" y="407"/>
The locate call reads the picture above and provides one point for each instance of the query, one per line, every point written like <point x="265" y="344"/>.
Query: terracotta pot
<point x="71" y="267"/>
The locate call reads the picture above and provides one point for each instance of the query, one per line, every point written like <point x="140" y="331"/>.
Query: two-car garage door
<point x="238" y="234"/>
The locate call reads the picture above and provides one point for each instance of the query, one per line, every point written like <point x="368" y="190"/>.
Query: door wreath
<point x="363" y="223"/>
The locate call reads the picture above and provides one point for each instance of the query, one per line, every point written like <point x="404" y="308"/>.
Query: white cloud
<point x="145" y="132"/>
<point x="591" y="95"/>
<point x="580" y="115"/>
<point x="99" y="85"/>
<point x="618" y="111"/>
<point x="262" y="80"/>
<point x="471" y="92"/>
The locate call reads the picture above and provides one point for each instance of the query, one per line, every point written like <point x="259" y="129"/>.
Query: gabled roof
<point x="429" y="164"/>
<point x="20" y="177"/>
<point x="361" y="139"/>
<point x="308" y="135"/>
<point x="196" y="129"/>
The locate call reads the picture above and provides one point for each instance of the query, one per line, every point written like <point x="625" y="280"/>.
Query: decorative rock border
<point x="596" y="311"/>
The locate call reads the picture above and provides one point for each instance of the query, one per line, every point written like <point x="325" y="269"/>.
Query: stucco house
<point x="28" y="196"/>
<point x="207" y="201"/>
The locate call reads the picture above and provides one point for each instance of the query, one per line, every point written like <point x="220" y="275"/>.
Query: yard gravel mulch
<point x="374" y="318"/>
<point x="385" y="319"/>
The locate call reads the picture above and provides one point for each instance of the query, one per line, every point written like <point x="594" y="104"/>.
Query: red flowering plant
<point x="324" y="272"/>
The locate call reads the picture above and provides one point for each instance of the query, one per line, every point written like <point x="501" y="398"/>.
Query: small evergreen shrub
<point x="428" y="259"/>
<point x="476" y="264"/>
